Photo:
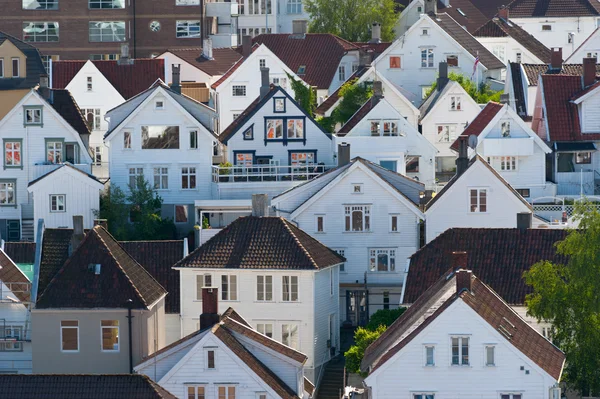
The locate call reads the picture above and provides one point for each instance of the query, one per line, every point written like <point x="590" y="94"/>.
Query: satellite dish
<point x="473" y="141"/>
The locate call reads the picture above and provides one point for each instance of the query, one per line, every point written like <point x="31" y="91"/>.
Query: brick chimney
<point x="43" y="89"/>
<point x="589" y="72"/>
<point x="77" y="232"/>
<point x="463" y="280"/>
<point x="462" y="162"/>
<point x="210" y="308"/>
<point x="503" y="12"/>
<point x="246" y="46"/>
<point x="430" y="6"/>
<point x="556" y="59"/>
<point x="459" y="260"/>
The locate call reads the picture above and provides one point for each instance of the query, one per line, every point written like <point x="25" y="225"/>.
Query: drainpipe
<point x="129" y="305"/>
<point x="134" y="41"/>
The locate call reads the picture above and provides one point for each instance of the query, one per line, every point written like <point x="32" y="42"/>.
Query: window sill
<point x="257" y="301"/>
<point x="8" y="205"/>
<point x="357" y="232"/>
<point x="382" y="272"/>
<point x="13" y="167"/>
<point x="320" y="232"/>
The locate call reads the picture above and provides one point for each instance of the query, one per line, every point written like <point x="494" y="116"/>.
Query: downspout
<point x="134" y="40"/>
<point x="129" y="305"/>
<point x="202" y="22"/>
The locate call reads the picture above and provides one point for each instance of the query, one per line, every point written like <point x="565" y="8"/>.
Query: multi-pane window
<point x="511" y="396"/>
<point x="490" y="355"/>
<point x="13" y="334"/>
<point x="92" y="116"/>
<point x="40" y="4"/>
<point x="427" y="58"/>
<point x="57" y="203"/>
<point x="357" y="217"/>
<point x="104" y="57"/>
<point x="160" y="137"/>
<point x="302" y="158"/>
<point x="320" y="223"/>
<point x="429" y="355"/>
<point x="238" y="90"/>
<point x="505" y="129"/>
<point x="390" y="128"/>
<point x="229" y="287"/>
<point x="202" y="281"/>
<point x="69" y="335"/>
<point x="455" y="103"/>
<point x="341" y="252"/>
<point x="188" y="178"/>
<point x="106" y="31"/>
<point x="40" y="31"/>
<point x="423" y="396"/>
<point x="289" y="288"/>
<point x="7" y="193"/>
<point x="478" y="200"/>
<point x="375" y="126"/>
<point x="193" y="139"/>
<point x="274" y="129"/>
<point x="187" y="29"/>
<point x="265" y="329"/>
<point x="382" y="260"/>
<point x="54" y="151"/>
<point x="264" y="288"/>
<point x="499" y="52"/>
<point x="452" y="60"/>
<point x="342" y="73"/>
<point x="294" y="6"/>
<point x="508" y="163"/>
<point x="12" y="154"/>
<point x="295" y="128"/>
<point x="583" y="158"/>
<point x="395" y="62"/>
<point x="460" y="351"/>
<point x="226" y="392"/>
<point x="195" y="392"/>
<point x="134" y="175"/>
<point x="258" y="7"/>
<point x="33" y="116"/>
<point x="106" y="4"/>
<point x="394" y="223"/>
<point x="262" y="63"/>
<point x="90" y="84"/>
<point x="127" y="140"/>
<point x="281" y="82"/>
<point x="289" y="335"/>
<point x="244" y="159"/>
<point x="110" y="335"/>
<point x="446" y="133"/>
<point x="161" y="178"/>
<point x="279" y="104"/>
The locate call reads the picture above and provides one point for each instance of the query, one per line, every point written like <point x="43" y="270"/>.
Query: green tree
<point x="365" y="336"/>
<point x="567" y="296"/>
<point x="305" y="96"/>
<point x="353" y="95"/>
<point x="352" y="19"/>
<point x="482" y="94"/>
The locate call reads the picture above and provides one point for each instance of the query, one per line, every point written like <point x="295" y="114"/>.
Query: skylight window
<point x="301" y="69"/>
<point x="461" y="12"/>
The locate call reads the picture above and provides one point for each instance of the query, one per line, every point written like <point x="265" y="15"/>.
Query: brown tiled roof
<point x="480" y="122"/>
<point x="375" y="48"/>
<point x="128" y="80"/>
<point x="335" y="96"/>
<point x="62" y="101"/>
<point x="320" y="53"/>
<point x="498" y="256"/>
<point x="231" y="70"/>
<point x="20" y="252"/>
<point x="358" y="116"/>
<point x="533" y="71"/>
<point x="55" y="252"/>
<point x="14" y="278"/>
<point x="498" y="27"/>
<point x="468" y="42"/>
<point x="121" y="278"/>
<point x="223" y="59"/>
<point x="553" y="8"/>
<point x="99" y="386"/>
<point x="158" y="257"/>
<point x="471" y="13"/>
<point x="262" y="243"/>
<point x="33" y="65"/>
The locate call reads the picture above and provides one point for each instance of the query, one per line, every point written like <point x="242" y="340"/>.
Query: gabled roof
<point x="594" y="36"/>
<point x="440" y="92"/>
<point x="20" y="252"/>
<point x="358" y="116"/>
<point x="520" y="97"/>
<point x="76" y="285"/>
<point x="66" y="166"/>
<point x="128" y="79"/>
<point x="498" y="256"/>
<point x="319" y="53"/>
<point x="34" y="66"/>
<point x="262" y="243"/>
<point x="466" y="41"/>
<point x="471" y="13"/>
<point x="14" y="278"/>
<point x="223" y="59"/>
<point x="233" y="68"/>
<point x="335" y="96"/>
<point x="487" y="114"/>
<point x="499" y="27"/>
<point x="98" y="386"/>
<point x="66" y="106"/>
<point x="489" y="307"/>
<point x="553" y="8"/>
<point x="533" y="71"/>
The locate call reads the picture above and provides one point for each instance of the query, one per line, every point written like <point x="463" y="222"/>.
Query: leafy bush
<point x="482" y="94"/>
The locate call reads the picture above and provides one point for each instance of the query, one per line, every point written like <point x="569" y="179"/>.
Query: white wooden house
<point x="167" y="138"/>
<point x="378" y="133"/>
<point x="41" y="132"/>
<point x="276" y="275"/>
<point x="368" y="214"/>
<point x="590" y="48"/>
<point x="509" y="145"/>
<point x="228" y="358"/>
<point x="458" y="334"/>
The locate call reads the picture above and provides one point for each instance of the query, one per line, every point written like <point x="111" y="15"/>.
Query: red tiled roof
<point x="231" y="70"/>
<point x="335" y="96"/>
<point x="553" y="8"/>
<point x="533" y="71"/>
<point x="320" y="53"/>
<point x="223" y="59"/>
<point x="128" y="80"/>
<point x="20" y="252"/>
<point x="480" y="122"/>
<point x="358" y="116"/>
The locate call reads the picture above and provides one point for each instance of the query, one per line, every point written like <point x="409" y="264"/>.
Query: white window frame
<point x="226" y="386"/>
<point x="127" y="140"/>
<point x="262" y="328"/>
<point x="287" y="288"/>
<point x="511" y="395"/>
<point x="455" y="103"/>
<point x="89" y="83"/>
<point x="35" y="115"/>
<point x="287" y="327"/>
<point x="97" y="118"/>
<point x="294" y="7"/>
<point x="261" y="288"/>
<point x="186" y="174"/>
<point x="342" y="73"/>
<point x="395" y="216"/>
<point x="201" y="283"/>
<point x="160" y="172"/>
<point x="159" y="105"/>
<point x="505" y="128"/>
<point x="342" y="252"/>
<point x="391" y="259"/>
<point x="426" y="349"/>
<point x="238" y="90"/>
<point x="460" y="350"/>
<point x="320" y="218"/>
<point x="477" y="208"/>
<point x="262" y="63"/>
<point x="447" y="134"/>
<point x="102" y="337"/>
<point x="195" y="388"/>
<point x="357" y="188"/>
<point x="183" y="29"/>
<point x="232" y="295"/>
<point x="207" y="350"/>
<point x="58" y="209"/>
<point x="486" y="359"/>
<point x="56" y="150"/>
<point x="61" y="336"/>
<point x="134" y="172"/>
<point x="365" y="218"/>
<point x="429" y="59"/>
<point x="423" y="395"/>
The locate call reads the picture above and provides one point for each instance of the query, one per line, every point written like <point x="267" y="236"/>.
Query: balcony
<point x="267" y="173"/>
<point x="40" y="169"/>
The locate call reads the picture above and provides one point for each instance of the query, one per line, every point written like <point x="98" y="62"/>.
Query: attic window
<point x="419" y="9"/>
<point x="546" y="28"/>
<point x="301" y="69"/>
<point x="89" y="83"/>
<point x="452" y="60"/>
<point x="505" y="129"/>
<point x="425" y="32"/>
<point x="159" y="105"/>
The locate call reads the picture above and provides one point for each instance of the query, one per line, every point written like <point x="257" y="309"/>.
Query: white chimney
<point x="207" y="49"/>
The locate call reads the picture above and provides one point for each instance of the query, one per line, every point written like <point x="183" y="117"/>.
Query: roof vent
<point x="95" y="268"/>
<point x="301" y="69"/>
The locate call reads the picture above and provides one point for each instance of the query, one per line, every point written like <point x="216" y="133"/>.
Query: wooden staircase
<point x="332" y="383"/>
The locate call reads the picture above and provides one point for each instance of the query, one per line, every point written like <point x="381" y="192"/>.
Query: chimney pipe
<point x="442" y="79"/>
<point x="77" y="232"/>
<point x="43" y="89"/>
<point x="504" y="98"/>
<point x="524" y="220"/>
<point x="589" y="72"/>
<point x="503" y="12"/>
<point x="246" y="46"/>
<point x="556" y="58"/>
<point x="462" y="162"/>
<point x="430" y="6"/>
<point x="343" y="154"/>
<point x="260" y="205"/>
<point x="124" y="58"/>
<point x="375" y="33"/>
<point x="210" y="308"/>
<point x="463" y="280"/>
<point x="265" y="86"/>
<point x="207" y="49"/>
<point x="176" y="78"/>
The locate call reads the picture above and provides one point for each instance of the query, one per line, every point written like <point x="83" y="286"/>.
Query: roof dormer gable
<point x="13" y="62"/>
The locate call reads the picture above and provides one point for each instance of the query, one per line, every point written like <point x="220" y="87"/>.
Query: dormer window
<point x="15" y="67"/>
<point x="505" y="129"/>
<point x="1" y="67"/>
<point x="159" y="105"/>
<point x="89" y="83"/>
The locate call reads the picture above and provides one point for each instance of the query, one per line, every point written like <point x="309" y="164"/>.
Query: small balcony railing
<point x="267" y="173"/>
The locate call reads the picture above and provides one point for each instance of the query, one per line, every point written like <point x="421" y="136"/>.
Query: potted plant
<point x="224" y="171"/>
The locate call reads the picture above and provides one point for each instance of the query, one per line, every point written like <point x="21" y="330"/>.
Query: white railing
<point x="40" y="170"/>
<point x="265" y="173"/>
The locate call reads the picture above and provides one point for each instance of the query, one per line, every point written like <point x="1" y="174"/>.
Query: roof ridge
<point x="287" y="226"/>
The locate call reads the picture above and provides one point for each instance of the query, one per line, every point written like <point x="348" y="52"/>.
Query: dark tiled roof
<point x="262" y="243"/>
<point x="34" y="66"/>
<point x="433" y="98"/>
<point x="498" y="256"/>
<point x="158" y="257"/>
<point x="498" y="27"/>
<point x="100" y="386"/>
<point x="65" y="165"/>
<point x="373" y="48"/>
<point x="553" y="8"/>
<point x="121" y="278"/>
<point x="55" y="252"/>
<point x="468" y="42"/>
<point x="488" y="305"/>
<point x="358" y="116"/>
<point x="516" y="74"/>
<point x="223" y="59"/>
<point x="533" y="71"/>
<point x="14" y="278"/>
<point x="335" y="96"/>
<point x="480" y="122"/>
<point x="320" y="53"/>
<point x="128" y="80"/>
<point x="20" y="252"/>
<point x="248" y="113"/>
<point x="471" y="13"/>
<point x="64" y="103"/>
